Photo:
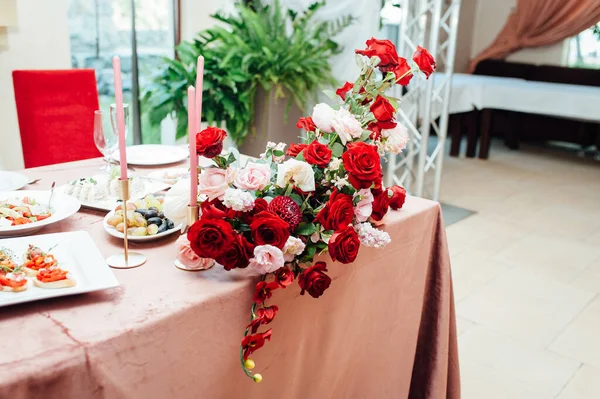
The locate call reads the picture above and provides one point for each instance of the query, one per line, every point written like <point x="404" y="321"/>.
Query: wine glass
<point x="104" y="137"/>
<point x="113" y="121"/>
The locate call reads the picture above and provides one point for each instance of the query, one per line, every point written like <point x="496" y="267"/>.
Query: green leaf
<point x="306" y="229"/>
<point x="337" y="149"/>
<point x="297" y="199"/>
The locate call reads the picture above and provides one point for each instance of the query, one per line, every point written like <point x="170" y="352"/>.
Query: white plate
<point x="63" y="206"/>
<point x="110" y="203"/>
<point x="76" y="252"/>
<point x="11" y="181"/>
<point x="154" y="154"/>
<point x="169" y="176"/>
<point x="113" y="232"/>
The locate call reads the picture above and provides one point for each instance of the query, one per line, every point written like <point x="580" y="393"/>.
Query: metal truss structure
<point x="424" y="103"/>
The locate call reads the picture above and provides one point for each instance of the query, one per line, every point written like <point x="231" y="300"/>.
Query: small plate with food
<point x="145" y="220"/>
<point x="51" y="265"/>
<point x="25" y="212"/>
<point x="11" y="181"/>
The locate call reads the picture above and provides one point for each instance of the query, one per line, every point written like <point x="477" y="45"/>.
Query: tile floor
<point x="526" y="271"/>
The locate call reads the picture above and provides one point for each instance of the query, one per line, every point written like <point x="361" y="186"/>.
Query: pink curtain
<point x="537" y="23"/>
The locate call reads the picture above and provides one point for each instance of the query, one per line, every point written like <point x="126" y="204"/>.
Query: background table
<point x="384" y="329"/>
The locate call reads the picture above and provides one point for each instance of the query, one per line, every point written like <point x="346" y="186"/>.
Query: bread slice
<point x="30" y="272"/>
<point x="16" y="289"/>
<point x="66" y="283"/>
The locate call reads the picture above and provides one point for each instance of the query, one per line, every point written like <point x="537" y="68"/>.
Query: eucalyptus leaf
<point x="305" y="229"/>
<point x="337" y="149"/>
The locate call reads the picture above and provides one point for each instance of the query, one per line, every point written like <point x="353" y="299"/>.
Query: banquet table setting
<point x="136" y="274"/>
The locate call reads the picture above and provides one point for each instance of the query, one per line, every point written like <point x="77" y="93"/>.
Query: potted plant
<point x="262" y="65"/>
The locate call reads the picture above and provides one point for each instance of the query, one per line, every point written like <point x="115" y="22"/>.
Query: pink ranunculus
<point x="214" y="182"/>
<point x="187" y="256"/>
<point x="255" y="176"/>
<point x="364" y="208"/>
<point x="346" y="125"/>
<point x="395" y="139"/>
<point x="267" y="259"/>
<point x="323" y="116"/>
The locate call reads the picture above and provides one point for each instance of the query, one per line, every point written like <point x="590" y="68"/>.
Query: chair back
<point x="56" y="115"/>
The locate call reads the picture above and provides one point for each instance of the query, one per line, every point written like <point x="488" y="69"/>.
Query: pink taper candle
<point x="192" y="137"/>
<point x="120" y="116"/>
<point x="199" y="85"/>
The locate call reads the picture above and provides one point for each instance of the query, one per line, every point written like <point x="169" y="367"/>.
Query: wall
<point x="481" y="21"/>
<point x="41" y="41"/>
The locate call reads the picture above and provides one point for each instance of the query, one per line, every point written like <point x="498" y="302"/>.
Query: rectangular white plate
<point x="110" y="203"/>
<point x="75" y="252"/>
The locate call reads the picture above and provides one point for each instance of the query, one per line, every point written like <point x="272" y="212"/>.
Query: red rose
<point x="384" y="49"/>
<point x="381" y="203"/>
<point x="398" y="197"/>
<point x="342" y="91"/>
<point x="252" y="343"/>
<point x="295" y="149"/>
<point x="424" y="60"/>
<point x="215" y="209"/>
<point x="338" y="211"/>
<point x="314" y="280"/>
<point x="363" y="165"/>
<point x="263" y="316"/>
<point x="343" y="245"/>
<point x="317" y="154"/>
<point x="384" y="112"/>
<point x="237" y="255"/>
<point x="264" y="291"/>
<point x="403" y="72"/>
<point x="306" y="124"/>
<point x="284" y="277"/>
<point x="210" y="237"/>
<point x="209" y="142"/>
<point x="260" y="204"/>
<point x="375" y="128"/>
<point x="267" y="228"/>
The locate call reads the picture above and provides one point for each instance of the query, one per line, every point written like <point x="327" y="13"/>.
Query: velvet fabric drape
<point x="536" y="23"/>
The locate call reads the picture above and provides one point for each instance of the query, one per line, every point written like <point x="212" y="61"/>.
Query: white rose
<point x="298" y="173"/>
<point x="293" y="246"/>
<point x="322" y="116"/>
<point x="238" y="200"/>
<point x="346" y="125"/>
<point x="396" y="139"/>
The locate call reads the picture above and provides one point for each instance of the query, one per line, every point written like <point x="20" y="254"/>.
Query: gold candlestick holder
<point x="127" y="259"/>
<point x="192" y="217"/>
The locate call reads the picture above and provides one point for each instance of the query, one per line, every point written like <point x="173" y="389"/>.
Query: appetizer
<point x="15" y="212"/>
<point x="36" y="259"/>
<point x="53" y="277"/>
<point x="12" y="278"/>
<point x="144" y="218"/>
<point x="88" y="189"/>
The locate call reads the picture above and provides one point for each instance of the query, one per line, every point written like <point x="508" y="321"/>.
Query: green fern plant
<point x="261" y="46"/>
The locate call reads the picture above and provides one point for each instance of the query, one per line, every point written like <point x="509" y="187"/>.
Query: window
<point x="584" y="49"/>
<point x="100" y="29"/>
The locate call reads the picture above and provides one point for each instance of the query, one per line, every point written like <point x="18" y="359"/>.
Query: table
<point x="478" y="92"/>
<point x="384" y="329"/>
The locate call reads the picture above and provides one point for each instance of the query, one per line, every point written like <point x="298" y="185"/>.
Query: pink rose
<point x="346" y="125"/>
<point x="322" y="116"/>
<point x="395" y="139"/>
<point x="267" y="259"/>
<point x="364" y="208"/>
<point x="213" y="182"/>
<point x="255" y="176"/>
<point x="187" y="256"/>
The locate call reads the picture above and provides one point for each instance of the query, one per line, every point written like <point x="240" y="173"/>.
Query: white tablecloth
<point x="471" y="92"/>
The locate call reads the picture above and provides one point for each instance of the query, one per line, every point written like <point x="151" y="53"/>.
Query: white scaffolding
<point x="424" y="103"/>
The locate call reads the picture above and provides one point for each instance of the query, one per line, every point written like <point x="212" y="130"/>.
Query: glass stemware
<point x="113" y="122"/>
<point x="104" y="137"/>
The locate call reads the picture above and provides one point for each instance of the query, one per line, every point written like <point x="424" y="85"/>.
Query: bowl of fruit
<point x="145" y="220"/>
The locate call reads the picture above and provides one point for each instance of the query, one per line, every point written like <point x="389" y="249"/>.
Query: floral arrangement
<point x="276" y="214"/>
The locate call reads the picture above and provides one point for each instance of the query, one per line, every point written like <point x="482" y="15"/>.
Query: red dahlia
<point x="286" y="209"/>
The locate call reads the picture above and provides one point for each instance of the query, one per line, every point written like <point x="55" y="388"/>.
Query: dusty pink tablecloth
<point x="384" y="329"/>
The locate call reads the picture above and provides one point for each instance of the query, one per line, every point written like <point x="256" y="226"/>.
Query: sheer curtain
<point x="537" y="23"/>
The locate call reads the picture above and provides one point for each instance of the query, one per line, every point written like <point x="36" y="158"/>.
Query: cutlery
<point x="33" y="181"/>
<point x="51" y="195"/>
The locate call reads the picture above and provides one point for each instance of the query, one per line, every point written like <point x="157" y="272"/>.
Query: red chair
<point x="56" y="115"/>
